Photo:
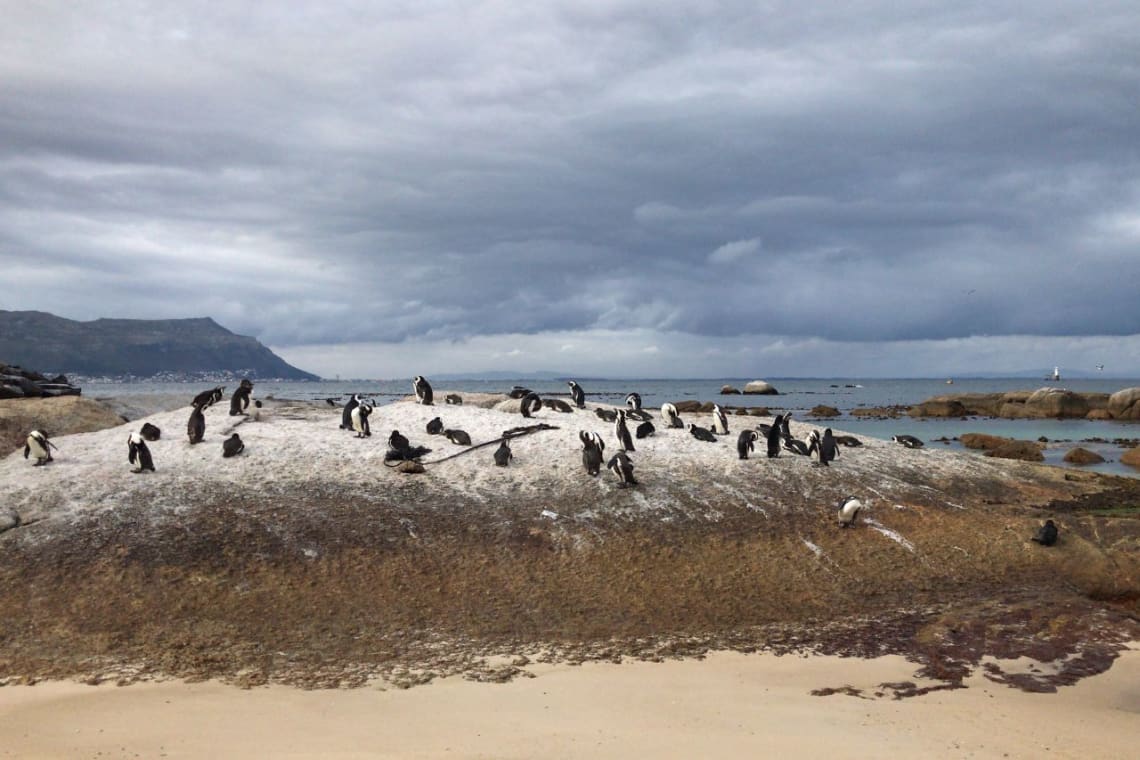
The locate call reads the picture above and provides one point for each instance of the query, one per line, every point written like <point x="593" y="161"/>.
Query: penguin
<point x="644" y="430"/>
<point x="577" y="394"/>
<point x="908" y="440"/>
<point x="454" y="399"/>
<point x="774" y="437"/>
<point x="37" y="444"/>
<point x="720" y="421"/>
<point x="232" y="446"/>
<point x="209" y="398"/>
<point x="1046" y="534"/>
<point x="360" y="420"/>
<point x="785" y="428"/>
<point x="633" y="401"/>
<point x="150" y="432"/>
<point x="606" y="415"/>
<point x="435" y="426"/>
<point x="557" y="405"/>
<point x="346" y="413"/>
<point x="239" y="402"/>
<point x="423" y="390"/>
<point x="669" y="414"/>
<point x="503" y="455"/>
<point x="458" y="437"/>
<point x="621" y="432"/>
<point x="848" y="510"/>
<point x="330" y="402"/>
<point x="530" y="403"/>
<point x="397" y="441"/>
<point x="257" y="410"/>
<point x="138" y="454"/>
<point x="849" y="441"/>
<point x="746" y="442"/>
<point x="592" y="448"/>
<point x="196" y="425"/>
<point x="621" y="465"/>
<point x="700" y="433"/>
<point x="519" y="391"/>
<point x="828" y="451"/>
<point x="796" y="446"/>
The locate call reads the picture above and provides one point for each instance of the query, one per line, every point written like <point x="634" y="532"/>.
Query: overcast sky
<point x="738" y="189"/>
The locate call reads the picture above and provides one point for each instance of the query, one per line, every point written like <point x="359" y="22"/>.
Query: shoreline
<point x="726" y="704"/>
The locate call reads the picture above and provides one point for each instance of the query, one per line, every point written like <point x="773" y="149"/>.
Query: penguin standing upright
<point x="38" y="445"/>
<point x="503" y="455"/>
<point x="720" y="421"/>
<point x="621" y="432"/>
<point x="621" y="465"/>
<point x="232" y="446"/>
<point x="196" y="425"/>
<point x="746" y="442"/>
<point x="592" y="448"/>
<point x="530" y="403"/>
<point x="828" y="449"/>
<point x="346" y="413"/>
<point x="774" y="437"/>
<point x="785" y="427"/>
<point x="423" y="390"/>
<point x="1047" y="534"/>
<point x="239" y="402"/>
<point x="138" y="453"/>
<point x="633" y="401"/>
<point x="670" y="415"/>
<point x="577" y="394"/>
<point x="360" y="420"/>
<point x="849" y="509"/>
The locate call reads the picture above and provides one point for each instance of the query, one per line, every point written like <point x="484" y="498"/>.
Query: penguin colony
<point x="822" y="448"/>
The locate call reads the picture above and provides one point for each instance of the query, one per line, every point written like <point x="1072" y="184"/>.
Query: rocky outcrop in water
<point x="1043" y="403"/>
<point x="17" y="382"/>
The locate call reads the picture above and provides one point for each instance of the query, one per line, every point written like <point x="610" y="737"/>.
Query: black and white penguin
<point x="621" y="432"/>
<point x="519" y="391"/>
<point x="644" y="430"/>
<point x="232" y="446"/>
<point x="720" y="421"/>
<point x="38" y="445"/>
<point x="640" y="415"/>
<point x="785" y="426"/>
<point x="849" y="509"/>
<point x="454" y="399"/>
<point x="1047" y="534"/>
<point x="849" y="441"/>
<point x="577" y="394"/>
<point x="633" y="401"/>
<point x="774" y="437"/>
<point x="397" y="441"/>
<point x="239" y="402"/>
<point x="621" y="465"/>
<point x="346" y="413"/>
<point x="796" y="446"/>
<point x="257" y="407"/>
<point x="746" y="442"/>
<point x="503" y="455"/>
<point x="530" y="403"/>
<point x="360" y="416"/>
<point x="138" y="453"/>
<point x="700" y="433"/>
<point x="828" y="450"/>
<point x="150" y="432"/>
<point x="210" y="397"/>
<point x="908" y="440"/>
<point x="557" y="405"/>
<point x="592" y="452"/>
<point x="606" y="415"/>
<point x="669" y="414"/>
<point x="196" y="425"/>
<point x="423" y="390"/>
<point x="458" y="437"/>
<point x="435" y="426"/>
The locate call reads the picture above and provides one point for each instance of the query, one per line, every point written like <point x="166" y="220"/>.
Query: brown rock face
<point x="983" y="441"/>
<point x="55" y="416"/>
<point x="1083" y="456"/>
<point x="1098" y="414"/>
<point x="1055" y="402"/>
<point x="1027" y="451"/>
<point x="1125" y="404"/>
<point x="823" y="411"/>
<point x="938" y="408"/>
<point x="728" y="390"/>
<point x="1131" y="457"/>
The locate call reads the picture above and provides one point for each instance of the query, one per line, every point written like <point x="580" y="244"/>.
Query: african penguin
<point x="530" y="403"/>
<point x="607" y="415"/>
<point x="785" y="428"/>
<point x="774" y="437"/>
<point x="346" y="413"/>
<point x="209" y="398"/>
<point x="908" y="440"/>
<point x="38" y="445"/>
<point x="138" y="454"/>
<point x="669" y="414"/>
<point x="239" y="402"/>
<point x="557" y="405"/>
<point x="454" y="399"/>
<point x="633" y="401"/>
<point x="360" y="416"/>
<point x="700" y="433"/>
<point x="746" y="442"/>
<point x="828" y="451"/>
<point x="720" y="421"/>
<point x="621" y="432"/>
<point x="397" y="441"/>
<point x="621" y="465"/>
<point x="423" y="390"/>
<point x="232" y="446"/>
<point x="577" y="394"/>
<point x="644" y="430"/>
<point x="1047" y="534"/>
<point x="848" y="510"/>
<point x="503" y="455"/>
<point x="196" y="425"/>
<point x="150" y="432"/>
<point x="592" y="448"/>
<point x="458" y="437"/>
<point x="435" y="426"/>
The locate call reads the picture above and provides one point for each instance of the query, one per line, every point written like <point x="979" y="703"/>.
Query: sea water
<point x="797" y="395"/>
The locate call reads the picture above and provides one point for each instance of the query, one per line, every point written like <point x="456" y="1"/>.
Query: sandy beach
<point x="727" y="705"/>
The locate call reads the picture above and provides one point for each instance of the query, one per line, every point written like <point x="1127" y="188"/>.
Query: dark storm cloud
<point x="439" y="171"/>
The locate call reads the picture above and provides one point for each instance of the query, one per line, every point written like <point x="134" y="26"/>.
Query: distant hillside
<point x="139" y="347"/>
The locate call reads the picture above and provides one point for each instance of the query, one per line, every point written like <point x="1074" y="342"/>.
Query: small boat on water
<point x="1056" y="376"/>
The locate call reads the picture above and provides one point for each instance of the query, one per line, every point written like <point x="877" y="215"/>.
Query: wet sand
<point x="728" y="705"/>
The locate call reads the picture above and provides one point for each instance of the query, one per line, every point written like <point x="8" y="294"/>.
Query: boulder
<point x="728" y="390"/>
<point x="1125" y="404"/>
<point x="823" y="410"/>
<point x="1056" y="402"/>
<point x="877" y="411"/>
<point x="1027" y="451"/>
<point x="1082" y="456"/>
<point x="983" y="441"/>
<point x="761" y="388"/>
<point x="939" y="408"/>
<point x="1131" y="457"/>
<point x="1098" y="414"/>
<point x="687" y="407"/>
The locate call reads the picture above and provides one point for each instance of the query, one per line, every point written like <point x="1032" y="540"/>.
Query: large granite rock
<point x="1027" y="451"/>
<point x="1131" y="457"/>
<point x="761" y="388"/>
<point x="1080" y="455"/>
<point x="1125" y="404"/>
<point x="1040" y="404"/>
<point x="17" y="382"/>
<point x="939" y="407"/>
<point x="983" y="441"/>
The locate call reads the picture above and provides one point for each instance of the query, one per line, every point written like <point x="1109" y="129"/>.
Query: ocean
<point x="797" y="395"/>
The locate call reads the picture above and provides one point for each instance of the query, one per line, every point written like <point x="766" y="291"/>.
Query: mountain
<point x="138" y="347"/>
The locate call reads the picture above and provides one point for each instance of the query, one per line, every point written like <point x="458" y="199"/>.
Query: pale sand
<point x="729" y="705"/>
